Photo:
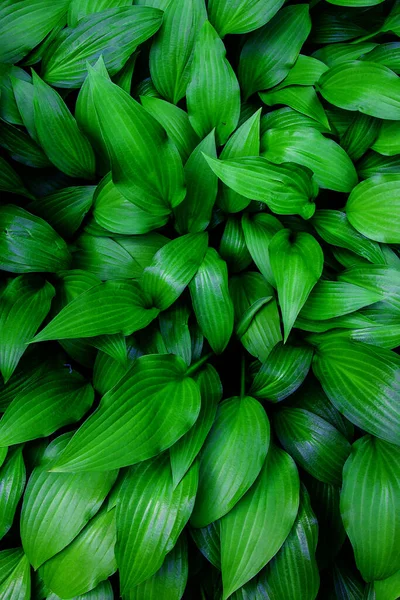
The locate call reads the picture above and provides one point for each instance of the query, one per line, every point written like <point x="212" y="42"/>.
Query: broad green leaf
<point x="171" y="53"/>
<point x="194" y="213"/>
<point x="175" y="332"/>
<point x="36" y="55"/>
<point x="255" y="529"/>
<point x="373" y="208"/>
<point x="87" y="561"/>
<point x="293" y="572"/>
<point x="29" y="244"/>
<point x="362" y="382"/>
<point x="315" y="444"/>
<point x="333" y="54"/>
<point x="282" y="373"/>
<point x="231" y="459"/>
<point x="376" y="164"/>
<point x="117" y="306"/>
<point x="270" y="53"/>
<point x="113" y="345"/>
<point x="213" y="94"/>
<point x="172" y="269"/>
<point x="296" y="262"/>
<point x="131" y="431"/>
<point x="9" y="107"/>
<point x="146" y="88"/>
<point x="388" y="589"/>
<point x="286" y="117"/>
<point x="10" y="181"/>
<point x="361" y="135"/>
<point x="17" y="585"/>
<point x="211" y="301"/>
<point x="238" y="16"/>
<point x="78" y="9"/>
<point x="306" y="71"/>
<point x="388" y="140"/>
<point x="116" y="214"/>
<point x="233" y="247"/>
<point x="31" y="367"/>
<point x="107" y="372"/>
<point x="333" y="26"/>
<point x="377" y="278"/>
<point x="150" y="517"/>
<point x="207" y="540"/>
<point x="21" y="147"/>
<point x="300" y="98"/>
<point x="169" y="581"/>
<point x="185" y="450"/>
<point x="259" y="229"/>
<point x="12" y="483"/>
<point x="368" y="503"/>
<point x="256" y="314"/>
<point x="25" y="25"/>
<point x="245" y="141"/>
<point x="374" y="90"/>
<point x="9" y="560"/>
<point x="114" y="34"/>
<point x="24" y="304"/>
<point x="58" y="133"/>
<point x="57" y="506"/>
<point x="330" y="164"/>
<point x="285" y="189"/>
<point x="56" y="399"/>
<point x="146" y="166"/>
<point x="387" y="54"/>
<point x="103" y="591"/>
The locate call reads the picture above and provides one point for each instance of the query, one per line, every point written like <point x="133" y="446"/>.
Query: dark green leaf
<point x="259" y="229"/>
<point x="233" y="247"/>
<point x="21" y="147"/>
<point x="12" y="483"/>
<point x="10" y="181"/>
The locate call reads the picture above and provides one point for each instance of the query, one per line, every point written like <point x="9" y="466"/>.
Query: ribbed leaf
<point x="16" y="581"/>
<point x="207" y="540"/>
<point x="31" y="367"/>
<point x="9" y="107"/>
<point x="241" y="17"/>
<point x="333" y="54"/>
<point x="379" y="279"/>
<point x="103" y="591"/>
<point x="81" y="8"/>
<point x="388" y="589"/>
<point x="12" y="483"/>
<point x="259" y="229"/>
<point x="388" y="140"/>
<point x="306" y="71"/>
<point x="233" y="247"/>
<point x="387" y="54"/>
<point x="10" y="181"/>
<point x="286" y="117"/>
<point x="301" y="98"/>
<point x="21" y="147"/>
<point x="361" y="135"/>
<point x="232" y="457"/>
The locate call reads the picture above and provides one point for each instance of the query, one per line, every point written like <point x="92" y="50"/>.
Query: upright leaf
<point x="16" y="584"/>
<point x="12" y="483"/>
<point x="259" y="229"/>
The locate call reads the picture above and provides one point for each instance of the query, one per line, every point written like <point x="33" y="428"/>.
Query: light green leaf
<point x="361" y="135"/>
<point x="15" y="580"/>
<point x="10" y="181"/>
<point x="368" y="504"/>
<point x="301" y="98"/>
<point x="232" y="457"/>
<point x="103" y="591"/>
<point x="296" y="261"/>
<point x="286" y="117"/>
<point x="175" y="333"/>
<point x="254" y="530"/>
<point x="240" y="16"/>
<point x="12" y="483"/>
<point x="333" y="54"/>
<point x="388" y="140"/>
<point x="377" y="278"/>
<point x="233" y="247"/>
<point x="81" y="8"/>
<point x="107" y="372"/>
<point x="306" y="71"/>
<point x="31" y="367"/>
<point x="387" y="54"/>
<point x="388" y="589"/>
<point x="21" y="147"/>
<point x="259" y="229"/>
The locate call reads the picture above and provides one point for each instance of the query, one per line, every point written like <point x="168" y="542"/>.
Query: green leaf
<point x="150" y="517"/>
<point x="233" y="247"/>
<point x="103" y="591"/>
<point x="315" y="444"/>
<point x="377" y="278"/>
<point x="194" y="213"/>
<point x="241" y="17"/>
<point x="231" y="459"/>
<point x="207" y="540"/>
<point x="368" y="503"/>
<point x="113" y="34"/>
<point x="81" y="8"/>
<point x="131" y="432"/>
<point x="58" y="133"/>
<point x="296" y="262"/>
<point x="301" y="98"/>
<point x="12" y="483"/>
<point x="388" y="589"/>
<point x="330" y="164"/>
<point x="333" y="54"/>
<point x="355" y="3"/>
<point x="374" y="89"/>
<point x="23" y="92"/>
<point x="10" y="181"/>
<point x="15" y="579"/>
<point x="361" y="135"/>
<point x="146" y="166"/>
<point x="270" y="53"/>
<point x="254" y="530"/>
<point x="283" y="372"/>
<point x="375" y="164"/>
<point x="286" y="190"/>
<point x="388" y="140"/>
<point x="286" y="117"/>
<point x="387" y="54"/>
<point x="259" y="229"/>
<point x="172" y="269"/>
<point x="24" y="26"/>
<point x="107" y="372"/>
<point x="24" y="304"/>
<point x="31" y="367"/>
<point x="21" y="147"/>
<point x="211" y="301"/>
<point x="57" y="506"/>
<point x="213" y="94"/>
<point x="88" y="560"/>
<point x="185" y="450"/>
<point x="373" y="208"/>
<point x="171" y="53"/>
<point x="56" y="399"/>
<point x="174" y="329"/>
<point x="306" y="71"/>
<point x="9" y="107"/>
<point x="362" y="382"/>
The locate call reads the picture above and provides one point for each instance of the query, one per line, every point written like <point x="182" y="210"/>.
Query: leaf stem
<point x="196" y="366"/>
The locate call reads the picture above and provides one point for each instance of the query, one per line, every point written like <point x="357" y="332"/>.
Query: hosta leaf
<point x="24" y="304"/>
<point x="9" y="107"/>
<point x="23" y="92"/>
<point x="107" y="372"/>
<point x="58" y="133"/>
<point x="269" y="53"/>
<point x="333" y="26"/>
<point x="172" y="268"/>
<point x="283" y="372"/>
<point x="31" y="367"/>
<point x="373" y="208"/>
<point x="9" y="560"/>
<point x="241" y="17"/>
<point x="150" y="517"/>
<point x="29" y="244"/>
<point x="286" y="190"/>
<point x="315" y="444"/>
<point x="233" y="247"/>
<point x="185" y="450"/>
<point x="254" y="530"/>
<point x="57" y="506"/>
<point x="124" y="77"/>
<point x="17" y="585"/>
<point x="213" y="95"/>
<point x="286" y="117"/>
<point x="88" y="560"/>
<point x="368" y="503"/>
<point x="259" y="229"/>
<point x="377" y="278"/>
<point x="374" y="89"/>
<point x="175" y="331"/>
<point x="376" y="164"/>
<point x="388" y="589"/>
<point x="330" y="164"/>
<point x="362" y="382"/>
<point x="361" y="135"/>
<point x="207" y="540"/>
<point x="12" y="483"/>
<point x="171" y="52"/>
<point x="21" y="147"/>
<point x="301" y="98"/>
<point x="306" y="71"/>
<point x="114" y="34"/>
<point x="132" y="433"/>
<point x="103" y="591"/>
<point x="232" y="457"/>
<point x="387" y="54"/>
<point x="10" y="181"/>
<point x="52" y="401"/>
<point x="211" y="301"/>
<point x="81" y="8"/>
<point x="296" y="262"/>
<point x="388" y="140"/>
<point x="333" y="54"/>
<point x="194" y="213"/>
